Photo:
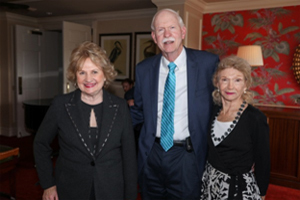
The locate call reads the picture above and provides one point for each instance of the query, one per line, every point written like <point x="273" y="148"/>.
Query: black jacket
<point x="113" y="169"/>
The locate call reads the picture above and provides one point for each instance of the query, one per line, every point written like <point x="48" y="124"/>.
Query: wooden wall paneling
<point x="284" y="145"/>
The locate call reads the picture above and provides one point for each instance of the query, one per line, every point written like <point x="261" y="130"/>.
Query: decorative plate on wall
<point x="296" y="64"/>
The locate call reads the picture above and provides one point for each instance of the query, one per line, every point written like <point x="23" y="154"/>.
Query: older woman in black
<point x="238" y="164"/>
<point x="97" y="158"/>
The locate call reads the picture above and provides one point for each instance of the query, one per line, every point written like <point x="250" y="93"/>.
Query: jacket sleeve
<point x="262" y="153"/>
<point x="42" y="149"/>
<point x="136" y="111"/>
<point x="129" y="156"/>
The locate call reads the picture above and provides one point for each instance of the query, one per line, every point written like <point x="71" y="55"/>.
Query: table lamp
<point x="251" y="53"/>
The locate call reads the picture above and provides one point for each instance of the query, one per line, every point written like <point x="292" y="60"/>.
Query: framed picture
<point x="144" y="46"/>
<point x="118" y="49"/>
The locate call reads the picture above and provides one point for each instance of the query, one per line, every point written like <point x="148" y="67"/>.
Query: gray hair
<point x="180" y="21"/>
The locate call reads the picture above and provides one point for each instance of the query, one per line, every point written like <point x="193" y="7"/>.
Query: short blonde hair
<point x="98" y="57"/>
<point x="242" y="66"/>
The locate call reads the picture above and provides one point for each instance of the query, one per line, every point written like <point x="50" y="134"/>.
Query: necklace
<point x="231" y="127"/>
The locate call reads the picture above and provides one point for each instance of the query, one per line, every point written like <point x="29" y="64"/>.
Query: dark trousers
<point x="170" y="175"/>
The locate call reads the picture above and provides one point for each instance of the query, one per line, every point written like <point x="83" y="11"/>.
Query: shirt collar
<point x="180" y="60"/>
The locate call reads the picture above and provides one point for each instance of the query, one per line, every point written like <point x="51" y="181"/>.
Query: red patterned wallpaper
<point x="277" y="30"/>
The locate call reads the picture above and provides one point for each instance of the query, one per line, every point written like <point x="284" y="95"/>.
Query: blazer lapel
<point x="110" y="110"/>
<point x="80" y="120"/>
<point x="192" y="74"/>
<point x="153" y="85"/>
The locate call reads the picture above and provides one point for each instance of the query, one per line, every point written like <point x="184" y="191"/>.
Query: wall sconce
<point x="251" y="53"/>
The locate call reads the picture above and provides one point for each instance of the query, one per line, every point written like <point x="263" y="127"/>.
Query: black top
<point x="92" y="134"/>
<point x="247" y="144"/>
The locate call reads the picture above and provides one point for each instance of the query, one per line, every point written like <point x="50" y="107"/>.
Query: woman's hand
<point x="263" y="197"/>
<point x="50" y="194"/>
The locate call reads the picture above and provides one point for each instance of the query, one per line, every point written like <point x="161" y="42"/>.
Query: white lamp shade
<point x="251" y="53"/>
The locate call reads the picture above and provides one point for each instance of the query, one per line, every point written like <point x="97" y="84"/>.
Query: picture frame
<point x="118" y="50"/>
<point x="144" y="46"/>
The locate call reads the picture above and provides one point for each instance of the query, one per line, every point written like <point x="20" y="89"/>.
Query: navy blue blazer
<point x="200" y="68"/>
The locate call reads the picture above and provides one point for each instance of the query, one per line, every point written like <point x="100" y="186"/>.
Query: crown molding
<point x="15" y="17"/>
<point x="128" y="14"/>
<point x="200" y="6"/>
<point x="197" y="5"/>
<point x="226" y="6"/>
<point x="164" y="3"/>
<point x="235" y="5"/>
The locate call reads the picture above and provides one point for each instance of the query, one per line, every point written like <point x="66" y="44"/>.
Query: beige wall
<point x="193" y="21"/>
<point x="123" y="26"/>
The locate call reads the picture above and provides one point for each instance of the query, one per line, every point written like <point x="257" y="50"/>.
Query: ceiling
<point x="48" y="8"/>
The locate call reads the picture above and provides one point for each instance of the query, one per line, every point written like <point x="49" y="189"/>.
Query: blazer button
<point x="93" y="163"/>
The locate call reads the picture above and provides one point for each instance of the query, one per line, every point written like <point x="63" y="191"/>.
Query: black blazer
<point x="113" y="168"/>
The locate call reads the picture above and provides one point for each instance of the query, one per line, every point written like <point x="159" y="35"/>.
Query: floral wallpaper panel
<point x="277" y="30"/>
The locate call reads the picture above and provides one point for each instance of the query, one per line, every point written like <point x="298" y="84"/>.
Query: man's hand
<point x="130" y="102"/>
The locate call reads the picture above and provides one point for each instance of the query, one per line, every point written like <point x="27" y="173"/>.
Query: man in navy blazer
<point x="177" y="172"/>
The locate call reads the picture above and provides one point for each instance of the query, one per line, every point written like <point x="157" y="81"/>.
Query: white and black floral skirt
<point x="216" y="186"/>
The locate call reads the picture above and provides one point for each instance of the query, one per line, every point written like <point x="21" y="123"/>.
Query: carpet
<point x="276" y="192"/>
